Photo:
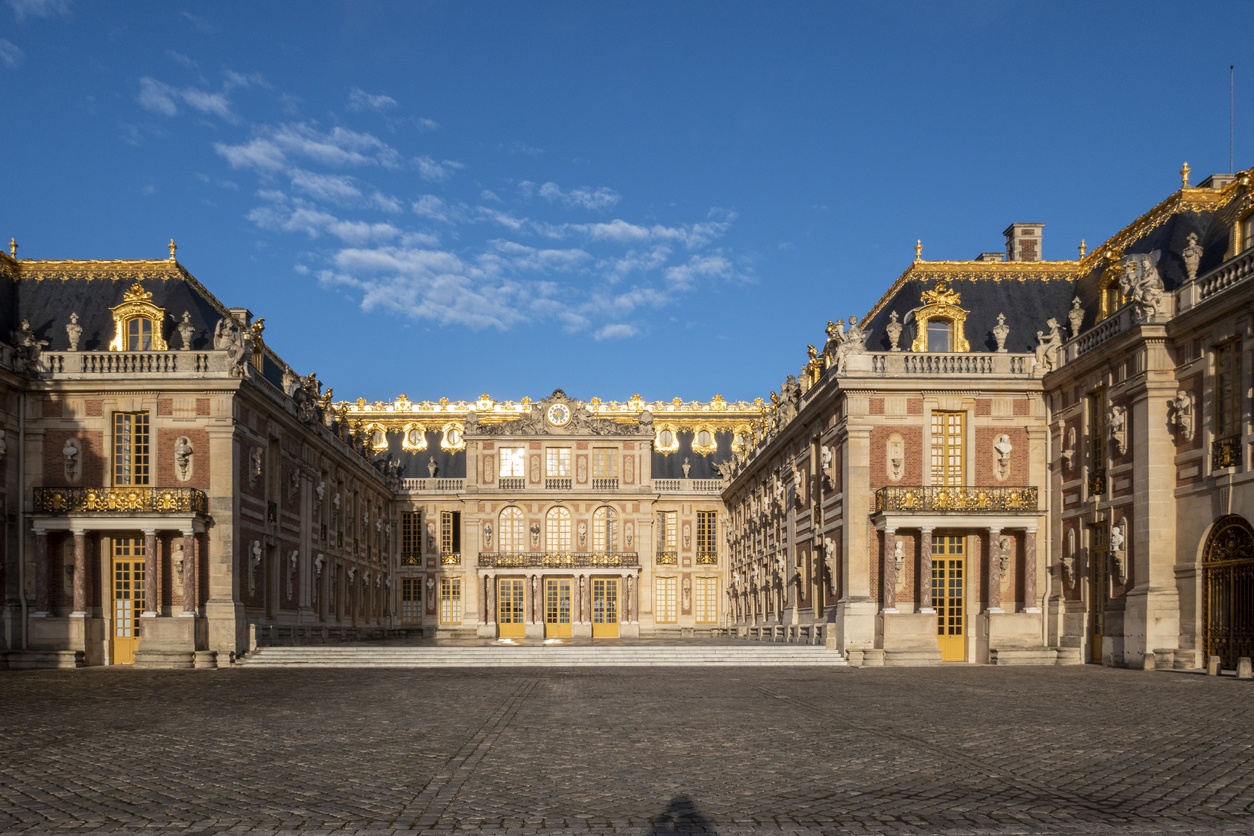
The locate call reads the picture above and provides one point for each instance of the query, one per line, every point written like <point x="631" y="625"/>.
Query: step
<point x="554" y="656"/>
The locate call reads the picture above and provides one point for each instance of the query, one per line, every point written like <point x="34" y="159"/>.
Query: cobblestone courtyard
<point x="666" y="750"/>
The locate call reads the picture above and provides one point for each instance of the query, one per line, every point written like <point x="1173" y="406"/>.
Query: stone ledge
<point x="22" y="660"/>
<point x="165" y="659"/>
<point x="1023" y="656"/>
<point x="911" y="658"/>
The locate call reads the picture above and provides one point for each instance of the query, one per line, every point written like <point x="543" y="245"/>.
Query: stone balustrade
<point x="704" y="486"/>
<point x="433" y="485"/>
<point x="549" y="560"/>
<point x="71" y="364"/>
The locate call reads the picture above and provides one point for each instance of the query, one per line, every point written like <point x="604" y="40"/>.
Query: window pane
<point x="938" y="335"/>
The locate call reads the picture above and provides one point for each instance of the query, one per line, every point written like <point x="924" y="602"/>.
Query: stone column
<point x="490" y="600"/>
<point x="152" y="603"/>
<point x="994" y="570"/>
<point x="43" y="580"/>
<point x="80" y="572"/>
<point x="925" y="570"/>
<point x="1029" y="571"/>
<point x="628" y="599"/>
<point x="890" y="571"/>
<point x="189" y="573"/>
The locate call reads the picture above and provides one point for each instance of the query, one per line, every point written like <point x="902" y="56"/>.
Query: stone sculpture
<point x="1002" y="449"/>
<point x="1192" y="256"/>
<point x="1117" y="422"/>
<point x="73" y="466"/>
<point x="1141" y="283"/>
<point x="1000" y="331"/>
<point x="1075" y="317"/>
<point x="237" y="343"/>
<point x="893" y="328"/>
<point x="1182" y="414"/>
<point x="1046" y="359"/>
<point x="73" y="332"/>
<point x="183" y="452"/>
<point x="186" y="331"/>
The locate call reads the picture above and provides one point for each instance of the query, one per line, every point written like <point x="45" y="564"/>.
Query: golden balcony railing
<point x="956" y="499"/>
<point x="1097" y="482"/>
<point x="667" y="558"/>
<point x="1225" y="452"/>
<point x="127" y="500"/>
<point x="707" y="558"/>
<point x="450" y="558"/>
<point x="548" y="560"/>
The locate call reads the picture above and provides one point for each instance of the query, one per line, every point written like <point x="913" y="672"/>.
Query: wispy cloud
<point x="162" y="98"/>
<point x="359" y="99"/>
<point x="582" y="197"/>
<point x="615" y="331"/>
<point x="11" y="55"/>
<point x="23" y="9"/>
<point x="436" y="172"/>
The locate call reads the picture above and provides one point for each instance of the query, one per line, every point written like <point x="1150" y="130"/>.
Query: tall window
<point x="512" y="462"/>
<point x="1228" y="389"/>
<point x="139" y="334"/>
<point x="604" y="463"/>
<point x="665" y="603"/>
<point x="511" y="531"/>
<point x="450" y="532"/>
<point x="707" y="601"/>
<point x="450" y="600"/>
<point x="604" y="530"/>
<point x="1097" y="429"/>
<point x="948" y="455"/>
<point x="1112" y="297"/>
<point x="130" y="448"/>
<point x="411" y="600"/>
<point x="411" y="534"/>
<point x="1246" y="226"/>
<point x="667" y="526"/>
<point x="707" y="526"/>
<point x="557" y="462"/>
<point x="557" y="531"/>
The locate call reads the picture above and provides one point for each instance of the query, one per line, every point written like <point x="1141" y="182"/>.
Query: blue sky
<point x="669" y="198"/>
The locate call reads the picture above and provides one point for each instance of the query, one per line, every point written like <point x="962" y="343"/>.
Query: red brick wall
<point x="985" y="459"/>
<point x="163" y="458"/>
<point x="912" y="440"/>
<point x="93" y="461"/>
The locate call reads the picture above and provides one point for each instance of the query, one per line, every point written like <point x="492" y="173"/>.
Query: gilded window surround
<point x="941" y="303"/>
<point x="137" y="304"/>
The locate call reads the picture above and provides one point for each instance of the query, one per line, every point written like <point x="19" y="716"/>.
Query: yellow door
<point x="948" y="596"/>
<point x="1099" y="555"/>
<point x="509" y="607"/>
<point x="128" y="597"/>
<point x="605" y="608"/>
<point x="557" y="608"/>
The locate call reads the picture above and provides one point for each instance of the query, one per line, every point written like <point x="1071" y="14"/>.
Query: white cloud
<point x="424" y="124"/>
<point x="315" y="223"/>
<point x="387" y="203"/>
<point x="521" y="148"/>
<point x="615" y="331"/>
<point x="430" y="206"/>
<point x="336" y="147"/>
<point x="23" y="9"/>
<point x="332" y="187"/>
<point x="582" y="197"/>
<point x="261" y="154"/>
<point x="436" y="172"/>
<point x="359" y="99"/>
<point x="704" y="266"/>
<point x="159" y="97"/>
<point x="503" y="218"/>
<point x="10" y="54"/>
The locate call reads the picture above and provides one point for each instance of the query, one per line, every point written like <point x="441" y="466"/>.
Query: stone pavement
<point x="646" y="751"/>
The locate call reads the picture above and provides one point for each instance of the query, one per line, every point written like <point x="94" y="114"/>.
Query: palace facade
<point x="1007" y="460"/>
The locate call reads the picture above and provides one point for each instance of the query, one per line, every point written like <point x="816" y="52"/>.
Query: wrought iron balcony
<point x="956" y="499"/>
<point x="667" y="558"/>
<point x="706" y="558"/>
<point x="547" y="560"/>
<point x="450" y="558"/>
<point x="125" y="500"/>
<point x="1225" y="452"/>
<point x="1097" y="482"/>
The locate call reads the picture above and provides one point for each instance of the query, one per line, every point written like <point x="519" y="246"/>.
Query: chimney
<point x="991" y="257"/>
<point x="1023" y="242"/>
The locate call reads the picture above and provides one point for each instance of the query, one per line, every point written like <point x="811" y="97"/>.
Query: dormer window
<point x="1246" y="232"/>
<point x="941" y="323"/>
<point x="137" y="323"/>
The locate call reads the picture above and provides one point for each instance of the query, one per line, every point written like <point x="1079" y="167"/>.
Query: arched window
<point x="1112" y="296"/>
<point x="941" y="323"/>
<point x="604" y="530"/>
<point x="557" y="531"/>
<point x="511" y="531"/>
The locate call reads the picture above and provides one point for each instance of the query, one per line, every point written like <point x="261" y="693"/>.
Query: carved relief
<point x="1069" y="448"/>
<point x="256" y="457"/>
<point x="183" y="454"/>
<point x="896" y="458"/>
<point x="1001" y="457"/>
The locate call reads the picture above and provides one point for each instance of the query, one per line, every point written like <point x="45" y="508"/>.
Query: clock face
<point x="559" y="414"/>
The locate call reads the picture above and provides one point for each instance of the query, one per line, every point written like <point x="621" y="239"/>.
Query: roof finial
<point x="173" y="249"/>
<point x="1083" y="247"/>
<point x="918" y="250"/>
<point x="13" y="248"/>
<point x="1184" y="176"/>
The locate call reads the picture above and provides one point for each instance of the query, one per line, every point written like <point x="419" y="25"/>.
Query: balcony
<point x="707" y="558"/>
<point x="545" y="560"/>
<point x="1225" y="452"/>
<point x="512" y="483"/>
<point x="605" y="484"/>
<point x="956" y="499"/>
<point x="129" y="364"/>
<point x="1097" y="482"/>
<point x="450" y="558"/>
<point x="126" y="500"/>
<point x="558" y="483"/>
<point x="434" y="485"/>
<point x="667" y="558"/>
<point x="706" y="486"/>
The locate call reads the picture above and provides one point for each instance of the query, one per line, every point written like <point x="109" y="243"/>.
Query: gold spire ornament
<point x="1083" y="247"/>
<point x="173" y="249"/>
<point x="1184" y="176"/>
<point x="13" y="248"/>
<point x="918" y="250"/>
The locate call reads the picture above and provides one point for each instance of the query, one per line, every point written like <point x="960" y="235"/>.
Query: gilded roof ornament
<point x="1184" y="176"/>
<point x="173" y="249"/>
<point x="13" y="248"/>
<point x="1083" y="247"/>
<point x="941" y="295"/>
<point x="918" y="250"/>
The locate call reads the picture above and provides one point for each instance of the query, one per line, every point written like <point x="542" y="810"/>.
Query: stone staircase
<point x="540" y="656"/>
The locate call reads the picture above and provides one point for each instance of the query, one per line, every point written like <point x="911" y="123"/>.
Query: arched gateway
<point x="1228" y="575"/>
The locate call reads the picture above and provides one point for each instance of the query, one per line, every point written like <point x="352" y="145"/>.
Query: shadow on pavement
<point x="681" y="816"/>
